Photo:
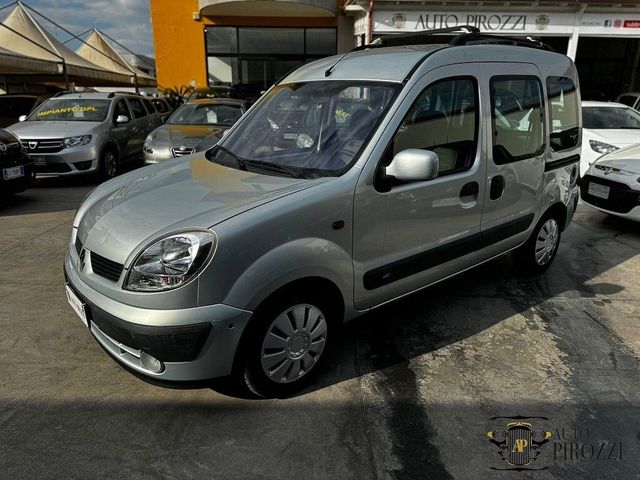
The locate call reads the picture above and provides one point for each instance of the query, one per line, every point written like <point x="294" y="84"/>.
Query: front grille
<point x="621" y="197"/>
<point x="52" y="168"/>
<point x="43" y="146"/>
<point x="106" y="268"/>
<point x="181" y="152"/>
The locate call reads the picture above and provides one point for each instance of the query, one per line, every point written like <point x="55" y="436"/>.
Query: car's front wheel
<point x="108" y="164"/>
<point x="285" y="346"/>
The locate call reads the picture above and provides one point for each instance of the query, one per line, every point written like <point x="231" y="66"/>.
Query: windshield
<point x="72" y="110"/>
<point x="307" y="129"/>
<point x="610" y="117"/>
<point x="205" y="114"/>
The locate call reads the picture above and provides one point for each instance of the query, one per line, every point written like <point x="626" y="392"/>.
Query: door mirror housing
<point x="22" y="118"/>
<point x="122" y="119"/>
<point x="413" y="165"/>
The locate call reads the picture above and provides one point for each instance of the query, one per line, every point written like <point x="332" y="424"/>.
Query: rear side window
<point x="563" y="100"/>
<point x="443" y="119"/>
<point x="517" y="112"/>
<point x="137" y="108"/>
<point x="160" y="106"/>
<point x="149" y="106"/>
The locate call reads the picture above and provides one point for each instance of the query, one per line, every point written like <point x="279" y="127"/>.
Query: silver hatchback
<point x="353" y="182"/>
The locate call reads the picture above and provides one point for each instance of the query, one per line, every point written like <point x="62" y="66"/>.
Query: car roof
<point x="594" y="103"/>
<point x="97" y="95"/>
<point x="219" y="101"/>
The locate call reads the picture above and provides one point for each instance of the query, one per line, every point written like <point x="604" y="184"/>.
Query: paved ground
<point x="410" y="392"/>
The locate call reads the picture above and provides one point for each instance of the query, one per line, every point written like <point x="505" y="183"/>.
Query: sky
<point x="127" y="21"/>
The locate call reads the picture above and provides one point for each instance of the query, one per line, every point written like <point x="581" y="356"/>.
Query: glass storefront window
<point x="321" y="41"/>
<point x="222" y="40"/>
<point x="223" y="70"/>
<point x="288" y="41"/>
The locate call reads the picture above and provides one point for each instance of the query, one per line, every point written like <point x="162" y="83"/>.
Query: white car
<point x="612" y="183"/>
<point x="607" y="126"/>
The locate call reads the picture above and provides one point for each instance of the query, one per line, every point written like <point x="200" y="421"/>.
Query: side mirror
<point x="22" y="118"/>
<point x="122" y="119"/>
<point x="414" y="165"/>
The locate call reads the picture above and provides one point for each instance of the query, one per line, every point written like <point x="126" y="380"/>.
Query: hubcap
<point x="293" y="343"/>
<point x="110" y="164"/>
<point x="547" y="241"/>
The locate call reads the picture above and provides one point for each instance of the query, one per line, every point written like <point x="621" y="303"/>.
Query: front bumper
<point x="623" y="201"/>
<point x="18" y="184"/>
<point x="193" y="343"/>
<point x="71" y="161"/>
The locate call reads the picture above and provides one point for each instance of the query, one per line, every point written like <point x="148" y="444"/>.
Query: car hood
<point x="617" y="137"/>
<point x="52" y="129"/>
<point x="143" y="205"/>
<point x="188" y="135"/>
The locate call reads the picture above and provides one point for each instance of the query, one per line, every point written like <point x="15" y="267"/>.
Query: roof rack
<point x="113" y="94"/>
<point x="476" y="38"/>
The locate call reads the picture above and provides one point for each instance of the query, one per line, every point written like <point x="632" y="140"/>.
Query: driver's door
<point x="420" y="232"/>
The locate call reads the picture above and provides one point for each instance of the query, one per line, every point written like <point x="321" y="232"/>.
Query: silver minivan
<point x="355" y="181"/>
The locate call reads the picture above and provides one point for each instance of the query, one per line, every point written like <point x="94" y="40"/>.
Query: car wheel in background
<point x="108" y="164"/>
<point x="537" y="254"/>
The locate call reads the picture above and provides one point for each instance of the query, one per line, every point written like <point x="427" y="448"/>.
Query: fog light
<point x="151" y="363"/>
<point x="82" y="165"/>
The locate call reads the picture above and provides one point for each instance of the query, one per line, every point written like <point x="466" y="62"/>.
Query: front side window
<point x="205" y="114"/>
<point x="137" y="108"/>
<point x="308" y="130"/>
<point x="72" y="110"/>
<point x="443" y="119"/>
<point x="563" y="99"/>
<point x="610" y="118"/>
<point x="517" y="117"/>
<point x="121" y="109"/>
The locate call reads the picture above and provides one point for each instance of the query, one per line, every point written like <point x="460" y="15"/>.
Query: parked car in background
<point x="14" y="105"/>
<point x="214" y="91"/>
<point x="15" y="165"/>
<point x="83" y="133"/>
<point x="162" y="107"/>
<point x="193" y="127"/>
<point x="246" y="259"/>
<point x="607" y="126"/>
<point x="630" y="99"/>
<point x="612" y="183"/>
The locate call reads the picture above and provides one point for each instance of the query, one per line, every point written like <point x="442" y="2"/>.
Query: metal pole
<point x="66" y="74"/>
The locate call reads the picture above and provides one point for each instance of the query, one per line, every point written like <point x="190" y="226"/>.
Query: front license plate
<point x="13" y="172"/>
<point x="77" y="305"/>
<point x="600" y="191"/>
<point x="38" y="160"/>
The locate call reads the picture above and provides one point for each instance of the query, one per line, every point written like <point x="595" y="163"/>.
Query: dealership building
<point x="252" y="43"/>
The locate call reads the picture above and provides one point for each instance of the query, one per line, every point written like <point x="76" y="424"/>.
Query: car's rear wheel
<point x="285" y="345"/>
<point x="108" y="164"/>
<point x="537" y="254"/>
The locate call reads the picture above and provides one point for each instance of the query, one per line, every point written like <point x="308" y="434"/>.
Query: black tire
<point x="109" y="164"/>
<point x="536" y="255"/>
<point x="290" y="362"/>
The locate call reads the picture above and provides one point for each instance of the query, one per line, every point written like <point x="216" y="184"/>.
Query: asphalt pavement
<point x="410" y="391"/>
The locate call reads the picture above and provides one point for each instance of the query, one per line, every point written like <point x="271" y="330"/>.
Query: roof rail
<point x="113" y="94"/>
<point x="476" y="38"/>
<point x="63" y="92"/>
<point x="415" y="38"/>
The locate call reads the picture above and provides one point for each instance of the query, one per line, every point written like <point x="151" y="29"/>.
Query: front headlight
<point x="602" y="147"/>
<point x="77" y="141"/>
<point x="171" y="262"/>
<point x="148" y="144"/>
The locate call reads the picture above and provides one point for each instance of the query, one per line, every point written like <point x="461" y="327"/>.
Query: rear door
<point x="516" y="155"/>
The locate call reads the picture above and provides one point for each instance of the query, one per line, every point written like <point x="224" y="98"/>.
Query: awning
<point x="99" y="51"/>
<point x="11" y="62"/>
<point x="26" y="37"/>
<point x="269" y="8"/>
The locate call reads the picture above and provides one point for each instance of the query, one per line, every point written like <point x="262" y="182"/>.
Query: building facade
<point x="254" y="42"/>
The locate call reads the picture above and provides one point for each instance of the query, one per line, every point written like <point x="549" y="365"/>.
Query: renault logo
<point x="3" y="147"/>
<point x="33" y="145"/>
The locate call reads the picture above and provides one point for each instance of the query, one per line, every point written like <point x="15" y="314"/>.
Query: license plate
<point x="38" y="160"/>
<point x="600" y="191"/>
<point x="13" y="172"/>
<point x="77" y="305"/>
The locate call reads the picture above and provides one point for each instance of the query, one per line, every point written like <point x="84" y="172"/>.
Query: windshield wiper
<point x="273" y="167"/>
<point x="242" y="165"/>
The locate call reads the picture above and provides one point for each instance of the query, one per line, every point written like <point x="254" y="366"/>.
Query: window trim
<point x="543" y="147"/>
<point x="578" y="107"/>
<point x="387" y="157"/>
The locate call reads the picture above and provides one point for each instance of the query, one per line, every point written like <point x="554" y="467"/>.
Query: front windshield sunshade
<point x="610" y="118"/>
<point x="72" y="110"/>
<point x="204" y="114"/>
<point x="308" y="129"/>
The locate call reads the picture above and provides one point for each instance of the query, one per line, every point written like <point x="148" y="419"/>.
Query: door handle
<point x="497" y="187"/>
<point x="471" y="188"/>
